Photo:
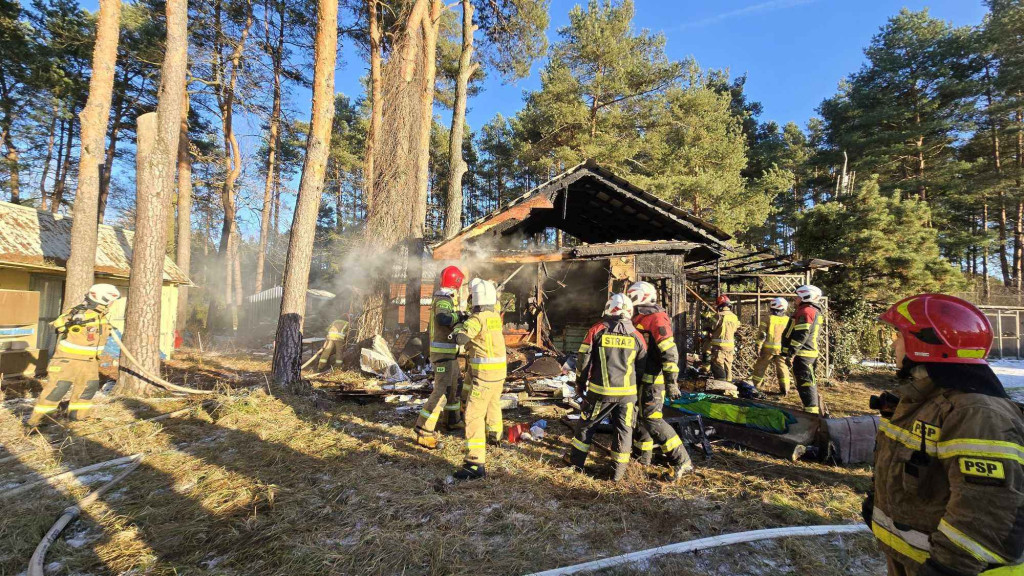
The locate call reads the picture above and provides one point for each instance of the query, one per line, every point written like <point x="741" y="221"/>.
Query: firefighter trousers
<point x="443" y="399"/>
<point x="806" y="386"/>
<point x="721" y="363"/>
<point x="621" y="415"/>
<point x="766" y="359"/>
<point x="653" y="430"/>
<point x="483" y="417"/>
<point x="80" y="377"/>
<point x="331" y="348"/>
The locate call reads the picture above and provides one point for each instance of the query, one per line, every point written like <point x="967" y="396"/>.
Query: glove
<point x="673" y="390"/>
<point x="461" y="316"/>
<point x="867" y="507"/>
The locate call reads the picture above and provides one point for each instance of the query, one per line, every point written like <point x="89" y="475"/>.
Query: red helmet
<point x="452" y="277"/>
<point x="941" y="328"/>
<point x="723" y="300"/>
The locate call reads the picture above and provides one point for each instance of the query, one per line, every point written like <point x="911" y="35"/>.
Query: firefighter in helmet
<point x="660" y="374"/>
<point x="444" y="352"/>
<point x="482" y="336"/>
<point x="75" y="365"/>
<point x="606" y="373"/>
<point x="337" y="333"/>
<point x="800" y="345"/>
<point x="770" y="331"/>
<point x="948" y="495"/>
<point x="722" y="344"/>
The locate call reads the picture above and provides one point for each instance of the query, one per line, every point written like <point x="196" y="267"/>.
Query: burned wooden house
<point x="561" y="248"/>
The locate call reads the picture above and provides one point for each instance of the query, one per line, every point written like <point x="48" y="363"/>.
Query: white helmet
<point x="642" y="293"/>
<point x="619" y="305"/>
<point x="483" y="292"/>
<point x="103" y="294"/>
<point x="779" y="304"/>
<point x="809" y="293"/>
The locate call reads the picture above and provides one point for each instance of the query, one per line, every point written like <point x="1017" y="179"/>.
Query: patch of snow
<point x="95" y="478"/>
<point x="80" y="538"/>
<point x="53" y="567"/>
<point x="1011" y="374"/>
<point x="212" y="562"/>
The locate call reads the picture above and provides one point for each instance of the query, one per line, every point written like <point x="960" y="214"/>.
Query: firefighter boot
<point x="471" y="472"/>
<point x="427" y="440"/>
<point x="620" y="471"/>
<point x="682" y="469"/>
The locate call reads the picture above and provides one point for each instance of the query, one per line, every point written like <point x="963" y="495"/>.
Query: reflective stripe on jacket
<point x="772" y="329"/>
<point x="486" y="347"/>
<point x="85" y="333"/>
<point x="443" y="318"/>
<point x="608" y="358"/>
<point x="337" y="331"/>
<point x="655" y="328"/>
<point x="949" y="479"/>
<point x="801" y="338"/>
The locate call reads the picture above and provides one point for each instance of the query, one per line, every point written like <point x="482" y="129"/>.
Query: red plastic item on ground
<point x="515" y="432"/>
<point x="178" y="340"/>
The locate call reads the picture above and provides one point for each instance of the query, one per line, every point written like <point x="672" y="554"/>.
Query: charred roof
<point x="595" y="206"/>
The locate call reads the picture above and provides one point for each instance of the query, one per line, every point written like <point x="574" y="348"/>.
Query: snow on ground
<point x="1011" y="374"/>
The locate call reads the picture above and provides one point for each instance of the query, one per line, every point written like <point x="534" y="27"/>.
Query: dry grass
<point x="257" y="483"/>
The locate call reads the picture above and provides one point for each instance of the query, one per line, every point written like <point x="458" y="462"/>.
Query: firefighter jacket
<point x="723" y="335"/>
<point x="662" y="357"/>
<point x="770" y="332"/>
<point x="444" y="315"/>
<point x="801" y="337"/>
<point x="608" y="358"/>
<point x="337" y="331"/>
<point x="485" y="344"/>
<point x="949" y="479"/>
<point x="85" y="332"/>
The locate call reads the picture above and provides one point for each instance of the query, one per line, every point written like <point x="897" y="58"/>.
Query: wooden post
<point x="757" y="283"/>
<point x="539" y="336"/>
<point x="999" y="330"/>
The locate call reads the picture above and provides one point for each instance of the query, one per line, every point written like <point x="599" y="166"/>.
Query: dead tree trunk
<point x="184" y="244"/>
<point x="272" y="141"/>
<point x="94" y="119"/>
<point x="288" y="344"/>
<point x="49" y="158"/>
<point x="158" y="149"/>
<point x="456" y="165"/>
<point x="65" y="166"/>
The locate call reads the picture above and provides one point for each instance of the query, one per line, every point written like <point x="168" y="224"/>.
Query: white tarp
<point x="377" y="359"/>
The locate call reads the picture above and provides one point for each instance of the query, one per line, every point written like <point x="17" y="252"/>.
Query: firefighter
<point x="948" y="495"/>
<point x="75" y="366"/>
<point x="337" y="333"/>
<point x="661" y="371"/>
<point x="444" y="315"/>
<point x="800" y="345"/>
<point x="770" y="332"/>
<point x="482" y="336"/>
<point x="722" y="344"/>
<point x="606" y="373"/>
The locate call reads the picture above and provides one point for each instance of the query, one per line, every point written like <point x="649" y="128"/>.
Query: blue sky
<point x="794" y="52"/>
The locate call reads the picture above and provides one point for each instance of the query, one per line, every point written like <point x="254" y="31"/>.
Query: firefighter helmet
<point x="642" y="293"/>
<point x="723" y="301"/>
<point x="941" y="328"/>
<point x="619" y="305"/>
<point x="452" y="277"/>
<point x="102" y="294"/>
<point x="482" y="292"/>
<point x="809" y="293"/>
<point x="779" y="304"/>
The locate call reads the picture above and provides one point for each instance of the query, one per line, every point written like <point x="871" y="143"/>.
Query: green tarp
<point x="748" y="414"/>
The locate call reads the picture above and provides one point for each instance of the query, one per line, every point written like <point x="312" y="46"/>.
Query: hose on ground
<point x="37" y="563"/>
<point x="312" y="358"/>
<point x="57" y="477"/>
<point x="156" y="379"/>
<point x="704" y="543"/>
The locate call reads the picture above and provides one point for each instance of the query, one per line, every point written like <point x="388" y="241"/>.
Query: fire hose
<point x="312" y="358"/>
<point x="703" y="544"/>
<point x="56" y="477"/>
<point x="156" y="379"/>
<point x="36" y="564"/>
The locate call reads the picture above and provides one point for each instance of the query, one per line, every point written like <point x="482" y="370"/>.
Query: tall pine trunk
<point x="456" y="165"/>
<point x="428" y="55"/>
<point x="158" y="135"/>
<point x="94" y="119"/>
<point x="49" y="158"/>
<point x="65" y="166"/>
<point x="376" y="97"/>
<point x="183" y="258"/>
<point x="272" y="141"/>
<point x="288" y="344"/>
